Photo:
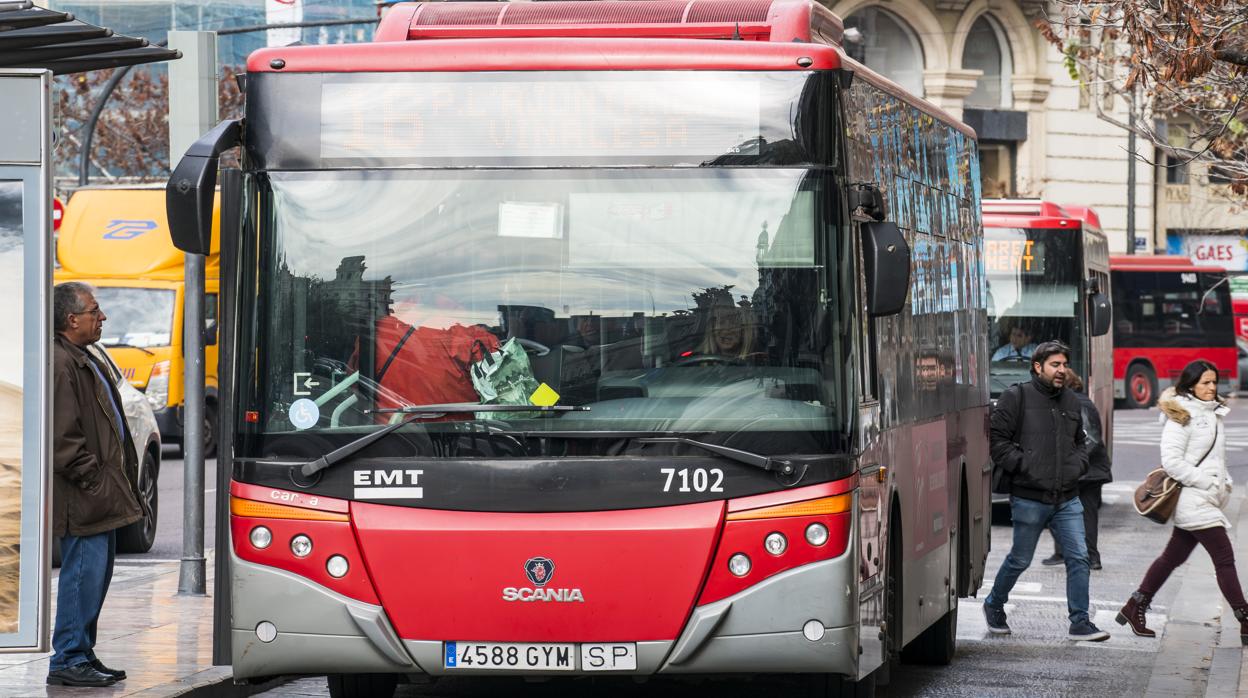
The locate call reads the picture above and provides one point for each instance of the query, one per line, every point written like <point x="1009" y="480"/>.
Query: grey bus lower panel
<point x="790" y="652"/>
<point x="760" y="628"/>
<point x="317" y="630"/>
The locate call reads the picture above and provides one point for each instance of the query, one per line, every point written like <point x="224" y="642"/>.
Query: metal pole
<point x="192" y="111"/>
<point x="1131" y="174"/>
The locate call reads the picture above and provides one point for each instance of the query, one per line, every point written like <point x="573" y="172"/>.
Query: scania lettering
<point x="682" y="339"/>
<point x="524" y="594"/>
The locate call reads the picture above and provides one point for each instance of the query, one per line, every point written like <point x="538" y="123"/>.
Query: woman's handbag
<point x="1156" y="498"/>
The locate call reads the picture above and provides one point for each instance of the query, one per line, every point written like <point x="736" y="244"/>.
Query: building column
<point x="1031" y="92"/>
<point x="948" y="88"/>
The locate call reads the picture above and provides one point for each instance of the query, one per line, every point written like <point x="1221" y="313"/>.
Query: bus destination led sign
<point x="1016" y="256"/>
<point x="498" y="117"/>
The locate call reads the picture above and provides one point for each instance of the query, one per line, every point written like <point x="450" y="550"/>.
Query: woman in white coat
<point x="1193" y="452"/>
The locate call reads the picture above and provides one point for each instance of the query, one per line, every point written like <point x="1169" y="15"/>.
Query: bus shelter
<point x="35" y="45"/>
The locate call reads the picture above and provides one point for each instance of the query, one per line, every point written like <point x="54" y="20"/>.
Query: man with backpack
<point x="1037" y="444"/>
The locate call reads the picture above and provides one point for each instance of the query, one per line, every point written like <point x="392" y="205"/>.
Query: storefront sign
<point x="1227" y="251"/>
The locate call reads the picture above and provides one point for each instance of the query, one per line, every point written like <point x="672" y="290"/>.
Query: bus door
<point x="873" y="473"/>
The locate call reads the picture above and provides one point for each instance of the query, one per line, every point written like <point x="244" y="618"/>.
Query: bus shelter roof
<point x="33" y="37"/>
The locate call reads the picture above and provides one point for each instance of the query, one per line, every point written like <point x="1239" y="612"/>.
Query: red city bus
<point x="1169" y="312"/>
<point x="579" y="337"/>
<point x="1048" y="278"/>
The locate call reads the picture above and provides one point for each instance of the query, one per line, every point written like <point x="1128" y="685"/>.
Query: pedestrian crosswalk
<point x="1038" y="614"/>
<point x="1147" y="432"/>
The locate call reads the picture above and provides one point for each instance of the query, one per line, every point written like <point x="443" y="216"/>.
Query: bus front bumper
<point x="761" y="629"/>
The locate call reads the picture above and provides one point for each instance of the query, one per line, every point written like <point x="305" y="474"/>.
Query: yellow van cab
<point x="117" y="240"/>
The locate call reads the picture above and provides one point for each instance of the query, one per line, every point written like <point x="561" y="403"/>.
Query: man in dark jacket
<point x="1037" y="444"/>
<point x="1095" y="477"/>
<point x="94" y="469"/>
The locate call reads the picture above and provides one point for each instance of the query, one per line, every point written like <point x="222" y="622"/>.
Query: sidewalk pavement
<point x="163" y="641"/>
<point x="1201" y="653"/>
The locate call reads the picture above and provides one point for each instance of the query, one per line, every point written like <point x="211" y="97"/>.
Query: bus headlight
<point x="776" y="543"/>
<point x="816" y="534"/>
<point x="261" y="537"/>
<point x="301" y="545"/>
<point x="337" y="566"/>
<point x="157" y="390"/>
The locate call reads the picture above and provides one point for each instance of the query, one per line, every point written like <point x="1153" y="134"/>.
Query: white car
<point x="139" y="536"/>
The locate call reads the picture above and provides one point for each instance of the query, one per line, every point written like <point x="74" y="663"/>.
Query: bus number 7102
<point x="702" y="480"/>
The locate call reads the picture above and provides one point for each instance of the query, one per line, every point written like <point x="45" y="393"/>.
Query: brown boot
<point x="1241" y="614"/>
<point x="1133" y="613"/>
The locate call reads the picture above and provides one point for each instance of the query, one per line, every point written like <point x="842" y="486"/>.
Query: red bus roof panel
<point x="1036" y="213"/>
<point x="492" y="54"/>
<point x="757" y="20"/>
<point x="1157" y="262"/>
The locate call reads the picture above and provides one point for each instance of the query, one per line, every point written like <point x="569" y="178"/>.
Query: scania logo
<point x="539" y="570"/>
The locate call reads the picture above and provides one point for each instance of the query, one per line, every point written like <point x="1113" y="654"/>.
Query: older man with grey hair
<point x="93" y="486"/>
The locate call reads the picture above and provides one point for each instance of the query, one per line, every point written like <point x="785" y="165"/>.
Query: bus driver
<point x="1019" y="348"/>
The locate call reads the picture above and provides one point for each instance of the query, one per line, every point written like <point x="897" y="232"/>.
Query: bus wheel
<point x="1141" y="387"/>
<point x="362" y="685"/>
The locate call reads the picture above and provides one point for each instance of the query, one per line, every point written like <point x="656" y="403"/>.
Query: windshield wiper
<point x="416" y="412"/>
<point x="461" y="407"/>
<point x="131" y="346"/>
<point x="771" y="465"/>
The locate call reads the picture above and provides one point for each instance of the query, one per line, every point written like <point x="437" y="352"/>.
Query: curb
<point x="1192" y="660"/>
<point x="217" y="682"/>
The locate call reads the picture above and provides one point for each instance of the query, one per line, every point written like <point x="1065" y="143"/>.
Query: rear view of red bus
<point x="579" y="339"/>
<point x="1169" y="312"/>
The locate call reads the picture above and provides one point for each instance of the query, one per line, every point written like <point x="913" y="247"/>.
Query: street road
<point x="168" y="545"/>
<point x="1036" y="660"/>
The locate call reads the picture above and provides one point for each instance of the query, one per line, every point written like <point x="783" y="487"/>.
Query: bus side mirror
<point x="192" y="186"/>
<point x="1102" y="314"/>
<point x="886" y="256"/>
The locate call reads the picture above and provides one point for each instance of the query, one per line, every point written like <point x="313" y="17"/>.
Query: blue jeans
<point x="86" y="570"/>
<point x="1030" y="520"/>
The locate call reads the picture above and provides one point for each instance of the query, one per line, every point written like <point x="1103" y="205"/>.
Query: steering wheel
<point x="531" y="347"/>
<point x="716" y="359"/>
<point x="1015" y="358"/>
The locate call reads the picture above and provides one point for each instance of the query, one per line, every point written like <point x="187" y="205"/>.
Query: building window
<point x="988" y="50"/>
<point x="888" y="46"/>
<point x="1176" y="170"/>
<point x="1220" y="175"/>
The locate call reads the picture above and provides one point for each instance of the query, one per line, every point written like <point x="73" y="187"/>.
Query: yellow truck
<point x="117" y="240"/>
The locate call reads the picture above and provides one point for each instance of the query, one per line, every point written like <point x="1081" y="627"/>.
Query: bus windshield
<point x="664" y="300"/>
<point x="1033" y="297"/>
<point x="137" y="317"/>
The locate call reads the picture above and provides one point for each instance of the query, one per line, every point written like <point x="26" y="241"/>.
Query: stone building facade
<point x="1040" y="136"/>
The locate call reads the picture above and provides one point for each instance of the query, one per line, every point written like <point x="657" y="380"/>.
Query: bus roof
<point x="1036" y="213"/>
<point x="1157" y="262"/>
<point x="617" y="35"/>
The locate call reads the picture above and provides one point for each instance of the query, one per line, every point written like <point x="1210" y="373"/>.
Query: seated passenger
<point x="1019" y="348"/>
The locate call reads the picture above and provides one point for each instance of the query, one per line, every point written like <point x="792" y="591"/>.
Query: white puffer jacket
<point x="1188" y="432"/>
